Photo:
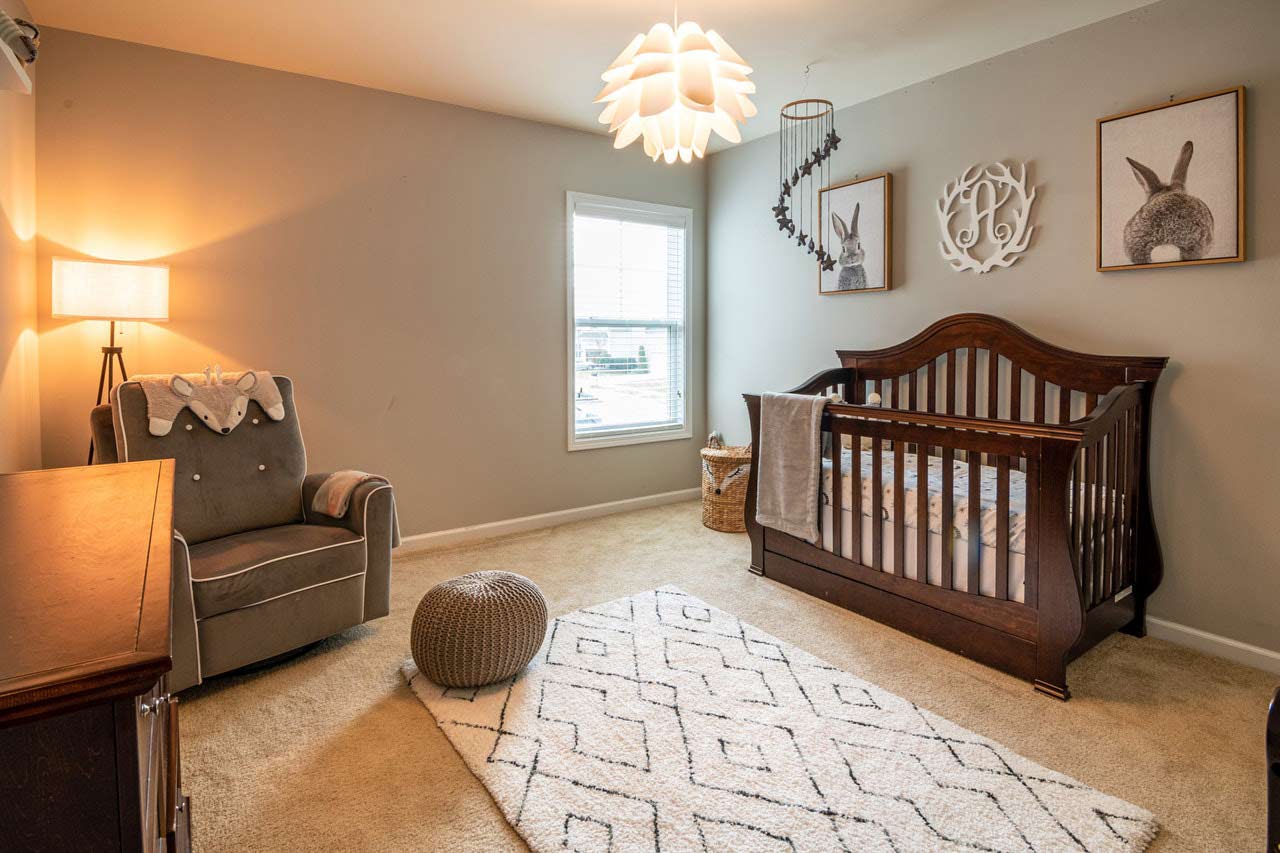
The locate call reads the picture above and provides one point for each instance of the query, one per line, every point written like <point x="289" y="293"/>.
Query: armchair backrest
<point x="223" y="484"/>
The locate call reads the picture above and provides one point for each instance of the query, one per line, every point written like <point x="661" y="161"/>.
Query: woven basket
<point x="725" y="473"/>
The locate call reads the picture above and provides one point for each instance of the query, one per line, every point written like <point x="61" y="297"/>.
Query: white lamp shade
<point x="672" y="88"/>
<point x="108" y="291"/>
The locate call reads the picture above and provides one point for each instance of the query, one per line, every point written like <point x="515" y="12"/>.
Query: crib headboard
<point x="980" y="365"/>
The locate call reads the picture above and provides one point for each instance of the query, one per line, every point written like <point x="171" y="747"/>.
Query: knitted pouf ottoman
<point x="478" y="628"/>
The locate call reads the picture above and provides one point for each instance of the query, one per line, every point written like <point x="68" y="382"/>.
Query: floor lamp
<point x="101" y="290"/>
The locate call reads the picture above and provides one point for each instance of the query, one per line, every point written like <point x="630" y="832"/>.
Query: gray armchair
<point x="256" y="573"/>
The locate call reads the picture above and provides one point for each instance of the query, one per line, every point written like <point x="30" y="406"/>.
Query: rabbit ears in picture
<point x="843" y="231"/>
<point x="1151" y="182"/>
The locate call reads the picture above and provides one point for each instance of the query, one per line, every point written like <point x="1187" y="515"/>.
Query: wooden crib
<point x="986" y="399"/>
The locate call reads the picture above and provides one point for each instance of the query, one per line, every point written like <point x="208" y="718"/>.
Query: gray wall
<point x="402" y="260"/>
<point x="1217" y="414"/>
<point x="19" y="373"/>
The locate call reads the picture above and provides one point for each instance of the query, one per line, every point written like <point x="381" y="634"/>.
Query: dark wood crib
<point x="977" y="395"/>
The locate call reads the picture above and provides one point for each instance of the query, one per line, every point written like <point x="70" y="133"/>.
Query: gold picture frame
<point x="880" y="268"/>
<point x="1115" y="241"/>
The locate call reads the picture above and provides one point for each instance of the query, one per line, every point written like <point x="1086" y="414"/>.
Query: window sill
<point x="625" y="438"/>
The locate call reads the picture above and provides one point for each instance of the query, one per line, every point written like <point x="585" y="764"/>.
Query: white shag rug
<point x="659" y="723"/>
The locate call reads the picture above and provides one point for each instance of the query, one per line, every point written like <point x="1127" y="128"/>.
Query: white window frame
<point x="636" y="211"/>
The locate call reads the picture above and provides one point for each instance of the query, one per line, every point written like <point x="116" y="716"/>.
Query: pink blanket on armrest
<point x="334" y="493"/>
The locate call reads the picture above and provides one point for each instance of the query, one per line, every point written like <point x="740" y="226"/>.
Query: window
<point x="629" y="313"/>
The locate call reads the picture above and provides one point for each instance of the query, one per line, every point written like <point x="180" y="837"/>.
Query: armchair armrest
<point x="186" y="640"/>
<point x="371" y="513"/>
<point x="361" y="514"/>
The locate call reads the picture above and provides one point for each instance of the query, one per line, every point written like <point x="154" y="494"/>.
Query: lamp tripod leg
<point x="102" y="384"/>
<point x="107" y="375"/>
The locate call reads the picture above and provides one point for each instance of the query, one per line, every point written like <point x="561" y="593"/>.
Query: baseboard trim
<point x="1214" y="644"/>
<point x="492" y="530"/>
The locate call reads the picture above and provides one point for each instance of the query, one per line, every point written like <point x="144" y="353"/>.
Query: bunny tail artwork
<point x="1171" y="183"/>
<point x="856" y="231"/>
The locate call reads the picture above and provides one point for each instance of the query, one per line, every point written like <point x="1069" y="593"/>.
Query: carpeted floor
<point x="331" y="751"/>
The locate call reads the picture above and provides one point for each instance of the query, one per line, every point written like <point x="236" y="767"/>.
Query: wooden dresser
<point x="88" y="733"/>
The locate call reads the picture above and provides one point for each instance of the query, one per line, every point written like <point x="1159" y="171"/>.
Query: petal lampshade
<point x="108" y="291"/>
<point x="672" y="88"/>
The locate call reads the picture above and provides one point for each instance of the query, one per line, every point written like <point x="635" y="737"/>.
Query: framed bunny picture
<point x="1171" y="184"/>
<point x="856" y="228"/>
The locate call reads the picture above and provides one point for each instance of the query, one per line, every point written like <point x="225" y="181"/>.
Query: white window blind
<point x="628" y="296"/>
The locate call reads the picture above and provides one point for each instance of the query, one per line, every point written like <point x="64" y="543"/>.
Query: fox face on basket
<point x="724" y="482"/>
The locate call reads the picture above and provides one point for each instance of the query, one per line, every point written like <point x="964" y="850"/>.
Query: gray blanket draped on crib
<point x="790" y="463"/>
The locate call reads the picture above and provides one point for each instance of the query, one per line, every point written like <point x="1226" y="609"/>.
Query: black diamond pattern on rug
<point x="659" y="723"/>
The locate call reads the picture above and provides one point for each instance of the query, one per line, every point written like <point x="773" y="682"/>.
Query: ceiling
<point x="541" y="59"/>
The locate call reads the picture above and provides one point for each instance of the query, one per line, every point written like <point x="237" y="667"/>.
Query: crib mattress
<point x="960" y="496"/>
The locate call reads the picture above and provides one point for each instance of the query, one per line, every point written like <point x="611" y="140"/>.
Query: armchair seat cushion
<point x="257" y="566"/>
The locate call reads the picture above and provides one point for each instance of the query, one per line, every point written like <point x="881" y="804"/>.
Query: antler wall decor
<point x="806" y="140"/>
<point x="980" y="197"/>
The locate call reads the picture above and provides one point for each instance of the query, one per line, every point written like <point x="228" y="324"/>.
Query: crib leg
<point x="1051" y="675"/>
<point x="1137" y="626"/>
<point x="1056" y="690"/>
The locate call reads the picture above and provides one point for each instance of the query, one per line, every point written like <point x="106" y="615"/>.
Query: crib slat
<point x="1121" y="557"/>
<point x="913" y="394"/>
<point x="1064" y="404"/>
<point x="1002" y="527"/>
<point x="1113" y="503"/>
<point x="931" y="389"/>
<point x="1086" y="522"/>
<point x="1099" y="518"/>
<point x="1031" y="545"/>
<point x="894" y="384"/>
<point x="950" y="356"/>
<point x="1103" y="487"/>
<point x="947" y="528"/>
<point x="855" y="497"/>
<point x="837" y="492"/>
<point x="993" y="384"/>
<point x="993" y="390"/>
<point x="922" y="513"/>
<point x="1077" y="513"/>
<point x="877" y="500"/>
<point x="975" y="523"/>
<point x="888" y="399"/>
<point x="899" y="512"/>
<point x="1038" y="412"/>
<point x="1131" y="494"/>
<point x="859" y="391"/>
<point x="971" y="383"/>
<point x="1118" y="499"/>
<point x="1117" y="507"/>
<point x="1015" y="391"/>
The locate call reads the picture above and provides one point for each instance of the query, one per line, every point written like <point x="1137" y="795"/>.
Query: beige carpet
<point x="331" y="751"/>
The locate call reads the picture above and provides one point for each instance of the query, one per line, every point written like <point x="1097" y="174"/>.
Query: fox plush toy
<point x="220" y="402"/>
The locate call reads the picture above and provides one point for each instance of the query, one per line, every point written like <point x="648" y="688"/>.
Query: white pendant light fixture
<point x="673" y="87"/>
